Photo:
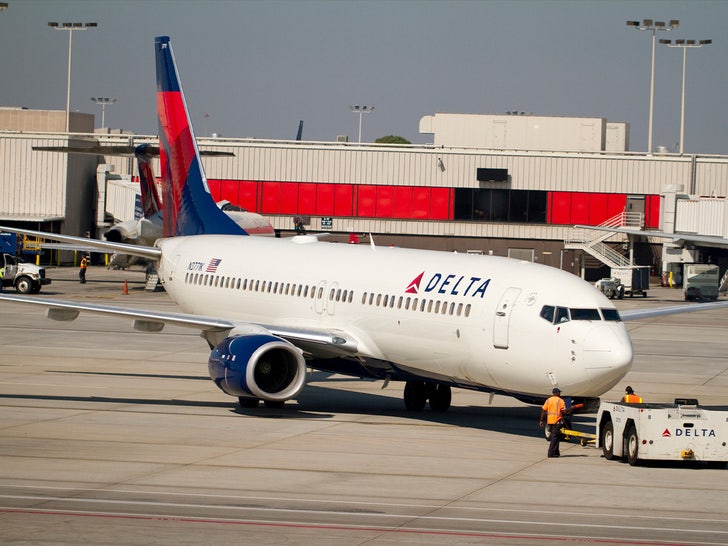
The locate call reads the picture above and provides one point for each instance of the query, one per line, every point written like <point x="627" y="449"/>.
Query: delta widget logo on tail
<point x="451" y="284"/>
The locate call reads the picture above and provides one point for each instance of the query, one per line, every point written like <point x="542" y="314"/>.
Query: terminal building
<point x="510" y="185"/>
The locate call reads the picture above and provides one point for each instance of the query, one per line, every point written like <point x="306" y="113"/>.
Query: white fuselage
<point x="475" y="320"/>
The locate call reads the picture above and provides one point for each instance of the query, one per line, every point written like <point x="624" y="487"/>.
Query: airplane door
<point x="503" y="317"/>
<point x="319" y="301"/>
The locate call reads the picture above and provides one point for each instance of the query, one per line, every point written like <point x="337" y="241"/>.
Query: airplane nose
<point x="607" y="356"/>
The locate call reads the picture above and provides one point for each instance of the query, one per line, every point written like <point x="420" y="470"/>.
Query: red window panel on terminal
<point x="559" y="208"/>
<point x="248" y="195"/>
<point x="271" y="198"/>
<point x="214" y="186"/>
<point x="325" y="199"/>
<point x="402" y="202"/>
<point x="343" y="200"/>
<point x="307" y="198"/>
<point x="616" y="204"/>
<point x="228" y="190"/>
<point x="598" y="208"/>
<point x="385" y="201"/>
<point x="441" y="204"/>
<point x="366" y="201"/>
<point x="289" y="198"/>
<point x="579" y="208"/>
<point x="652" y="211"/>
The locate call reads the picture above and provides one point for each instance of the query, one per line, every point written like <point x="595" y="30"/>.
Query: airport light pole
<point x="685" y="45"/>
<point x="654" y="26"/>
<point x="361" y="110"/>
<point x="70" y="27"/>
<point x="103" y="101"/>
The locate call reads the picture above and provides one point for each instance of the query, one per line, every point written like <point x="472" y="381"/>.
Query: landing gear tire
<point x="415" y="395"/>
<point x="608" y="441"/>
<point x="248" y="403"/>
<point x="440" y="398"/>
<point x="633" y="446"/>
<point x="274" y="404"/>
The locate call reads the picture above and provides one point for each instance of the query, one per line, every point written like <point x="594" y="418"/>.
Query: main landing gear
<point x="418" y="393"/>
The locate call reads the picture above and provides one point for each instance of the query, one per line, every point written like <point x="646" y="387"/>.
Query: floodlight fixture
<point x="70" y="27"/>
<point x="653" y="26"/>
<point x="685" y="45"/>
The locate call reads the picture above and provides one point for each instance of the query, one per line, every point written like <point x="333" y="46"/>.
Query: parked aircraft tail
<point x="151" y="203"/>
<point x="189" y="206"/>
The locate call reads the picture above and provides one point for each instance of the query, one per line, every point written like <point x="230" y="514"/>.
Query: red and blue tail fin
<point x="189" y="206"/>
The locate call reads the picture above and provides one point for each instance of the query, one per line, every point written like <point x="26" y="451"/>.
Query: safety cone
<point x="125" y="292"/>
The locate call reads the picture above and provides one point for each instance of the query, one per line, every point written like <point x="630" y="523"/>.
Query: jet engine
<point x="259" y="366"/>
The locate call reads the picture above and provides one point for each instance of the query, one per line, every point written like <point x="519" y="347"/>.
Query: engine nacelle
<point x="259" y="366"/>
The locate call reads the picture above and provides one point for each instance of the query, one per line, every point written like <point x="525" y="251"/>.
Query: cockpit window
<point x="585" y="314"/>
<point x="562" y="315"/>
<point x="547" y="312"/>
<point x="558" y="315"/>
<point x="610" y="314"/>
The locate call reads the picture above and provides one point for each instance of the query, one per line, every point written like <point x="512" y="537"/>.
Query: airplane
<point x="149" y="228"/>
<point x="272" y="308"/>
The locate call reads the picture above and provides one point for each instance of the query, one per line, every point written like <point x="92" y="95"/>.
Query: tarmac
<point x="113" y="436"/>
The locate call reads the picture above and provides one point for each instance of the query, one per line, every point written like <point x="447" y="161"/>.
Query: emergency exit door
<point x="503" y="317"/>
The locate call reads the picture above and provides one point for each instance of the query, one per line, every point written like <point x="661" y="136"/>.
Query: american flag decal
<point x="212" y="266"/>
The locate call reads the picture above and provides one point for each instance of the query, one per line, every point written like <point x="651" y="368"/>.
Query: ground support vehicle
<point x="700" y="281"/>
<point x="26" y="278"/>
<point x="634" y="280"/>
<point x="681" y="431"/>
<point x="610" y="287"/>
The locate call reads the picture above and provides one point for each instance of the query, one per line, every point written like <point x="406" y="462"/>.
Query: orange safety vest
<point x="632" y="399"/>
<point x="84" y="263"/>
<point x="554" y="407"/>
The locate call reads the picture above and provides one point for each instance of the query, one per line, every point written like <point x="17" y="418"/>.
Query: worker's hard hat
<point x="629" y="390"/>
<point x="556" y="390"/>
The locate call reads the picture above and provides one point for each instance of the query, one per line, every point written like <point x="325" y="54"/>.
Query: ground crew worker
<point x="82" y="270"/>
<point x="630" y="397"/>
<point x="552" y="413"/>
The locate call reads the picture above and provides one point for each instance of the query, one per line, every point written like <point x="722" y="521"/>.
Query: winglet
<point x="189" y="206"/>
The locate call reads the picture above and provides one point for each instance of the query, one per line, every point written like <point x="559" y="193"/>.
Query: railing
<point x="592" y="241"/>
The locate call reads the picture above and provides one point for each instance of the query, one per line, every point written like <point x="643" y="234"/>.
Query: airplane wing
<point x="152" y="253"/>
<point x="213" y="329"/>
<point x="636" y="314"/>
<point x="676" y="237"/>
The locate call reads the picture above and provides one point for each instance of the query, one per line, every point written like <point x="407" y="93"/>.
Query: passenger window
<point x="610" y="314"/>
<point x="547" y="313"/>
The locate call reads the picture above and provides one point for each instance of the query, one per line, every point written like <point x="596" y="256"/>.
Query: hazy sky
<point x="258" y="67"/>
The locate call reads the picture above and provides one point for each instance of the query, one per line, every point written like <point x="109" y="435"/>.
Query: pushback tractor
<point x="681" y="431"/>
